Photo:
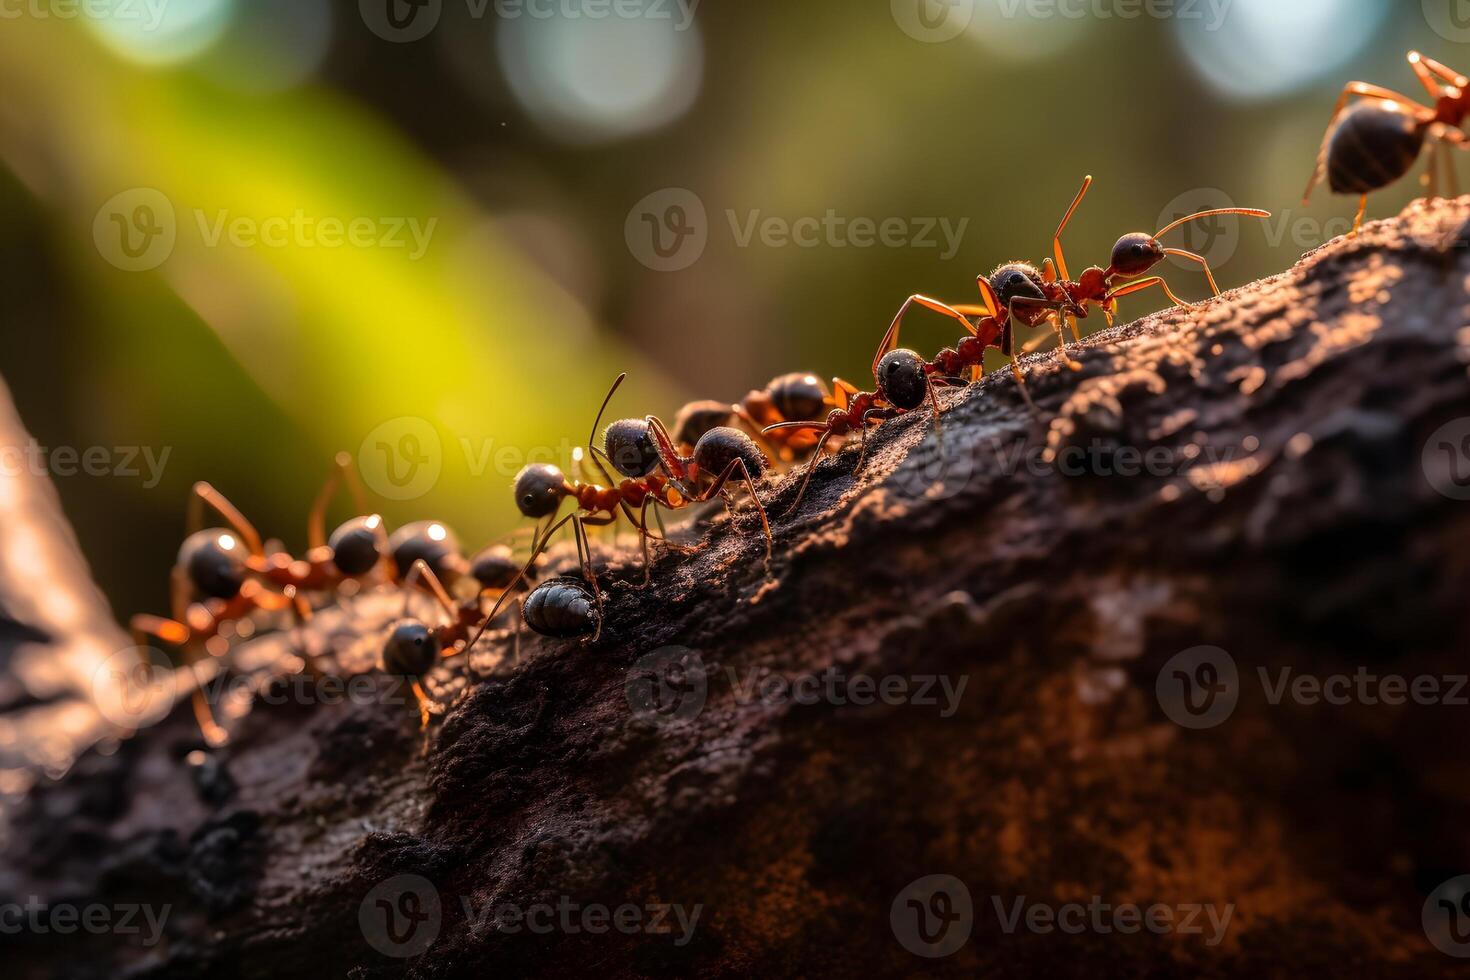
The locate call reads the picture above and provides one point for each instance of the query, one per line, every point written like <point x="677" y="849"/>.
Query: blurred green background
<point x="596" y="187"/>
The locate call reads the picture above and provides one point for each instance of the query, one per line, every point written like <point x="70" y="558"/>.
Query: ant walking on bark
<point x="1374" y="142"/>
<point x="655" y="475"/>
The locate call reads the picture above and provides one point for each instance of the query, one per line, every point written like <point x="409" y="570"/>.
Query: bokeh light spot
<point x="1257" y="49"/>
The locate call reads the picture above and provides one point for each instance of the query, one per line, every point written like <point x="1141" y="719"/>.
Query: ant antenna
<point x="592" y="439"/>
<point x="1253" y="212"/>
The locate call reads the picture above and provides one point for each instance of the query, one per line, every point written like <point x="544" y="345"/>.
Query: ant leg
<point x="1142" y="284"/>
<point x="1358" y="218"/>
<point x="1364" y="90"/>
<point x="421" y="570"/>
<point x="1426" y="70"/>
<point x="1191" y="256"/>
<point x="301" y="615"/>
<point x="1056" y="239"/>
<point x="890" y="339"/>
<point x="421" y="698"/>
<point x="538" y="545"/>
<point x="759" y="435"/>
<point x="718" y="486"/>
<point x="204" y="494"/>
<point x="584" y="551"/>
<point x="176" y="634"/>
<point x="811" y="465"/>
<point x="674" y="464"/>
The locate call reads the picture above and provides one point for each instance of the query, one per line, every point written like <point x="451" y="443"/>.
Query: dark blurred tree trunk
<point x="1267" y="476"/>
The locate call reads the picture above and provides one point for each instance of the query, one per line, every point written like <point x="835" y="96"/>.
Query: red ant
<point x="1375" y="142"/>
<point x="1033" y="296"/>
<point x="795" y="397"/>
<point x="637" y="450"/>
<point x="412" y="648"/>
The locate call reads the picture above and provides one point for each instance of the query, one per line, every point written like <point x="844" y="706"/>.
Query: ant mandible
<point x="1376" y="142"/>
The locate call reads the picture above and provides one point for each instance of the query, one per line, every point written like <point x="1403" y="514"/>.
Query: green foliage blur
<point x="542" y="154"/>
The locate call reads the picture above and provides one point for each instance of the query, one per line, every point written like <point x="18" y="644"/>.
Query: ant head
<point x="495" y="567"/>
<point x="358" y="545"/>
<point x="629" y="444"/>
<point x="1016" y="280"/>
<point x="902" y="379"/>
<point x="214" y="561"/>
<point x="430" y="540"/>
<point x="410" y="650"/>
<point x="697" y="418"/>
<point x="799" y="397"/>
<point x="539" y="489"/>
<point x="562" y="607"/>
<point x="1135" y="254"/>
<point x="722" y="445"/>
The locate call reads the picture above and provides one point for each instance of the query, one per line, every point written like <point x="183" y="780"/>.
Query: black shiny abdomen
<point x="799" y="397"/>
<point x="1371" y="147"/>
<point x="722" y="445"/>
<point x="697" y="418"/>
<point x="562" y="608"/>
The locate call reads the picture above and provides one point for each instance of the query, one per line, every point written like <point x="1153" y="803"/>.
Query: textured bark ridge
<point x="1257" y="475"/>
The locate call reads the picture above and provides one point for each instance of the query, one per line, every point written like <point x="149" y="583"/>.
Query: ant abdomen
<point x="722" y="445"/>
<point x="902" y="379"/>
<point x="495" y="567"/>
<point x="214" y="561"/>
<point x="697" y="418"/>
<point x="799" y="397"/>
<point x="563" y="608"/>
<point x="1371" y="147"/>
<point x="629" y="444"/>
<point x="357" y="545"/>
<point x="430" y="541"/>
<point x="411" y="650"/>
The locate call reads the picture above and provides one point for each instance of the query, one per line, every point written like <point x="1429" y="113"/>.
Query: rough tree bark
<point x="1287" y="513"/>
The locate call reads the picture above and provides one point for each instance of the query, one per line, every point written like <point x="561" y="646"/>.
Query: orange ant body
<point x="795" y="397"/>
<point x="1375" y="142"/>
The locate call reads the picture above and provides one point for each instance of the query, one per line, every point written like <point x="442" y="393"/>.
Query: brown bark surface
<point x="1287" y="513"/>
